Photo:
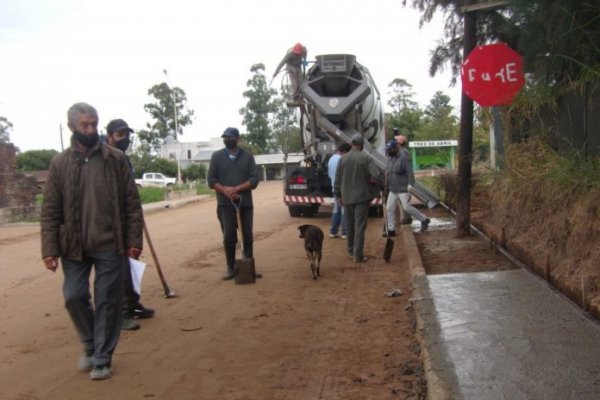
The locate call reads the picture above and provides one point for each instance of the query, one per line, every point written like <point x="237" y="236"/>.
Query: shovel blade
<point x="387" y="252"/>
<point x="244" y="271"/>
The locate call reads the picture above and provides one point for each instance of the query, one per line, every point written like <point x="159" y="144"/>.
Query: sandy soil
<point x="286" y="337"/>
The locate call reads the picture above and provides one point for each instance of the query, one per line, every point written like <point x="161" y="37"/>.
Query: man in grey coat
<point x="356" y="184"/>
<point x="400" y="178"/>
<point x="91" y="217"/>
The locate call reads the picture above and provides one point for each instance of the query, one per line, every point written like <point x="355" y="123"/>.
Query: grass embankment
<point x="154" y="194"/>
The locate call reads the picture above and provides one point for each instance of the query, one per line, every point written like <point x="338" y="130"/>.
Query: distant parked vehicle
<point x="155" y="179"/>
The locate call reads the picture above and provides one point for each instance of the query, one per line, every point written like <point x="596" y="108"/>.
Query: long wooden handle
<point x="155" y="258"/>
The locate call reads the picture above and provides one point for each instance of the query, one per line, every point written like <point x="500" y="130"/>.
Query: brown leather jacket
<point x="61" y="228"/>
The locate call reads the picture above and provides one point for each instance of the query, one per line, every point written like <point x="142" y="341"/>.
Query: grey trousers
<point x="99" y="326"/>
<point x="356" y="216"/>
<point x="404" y="199"/>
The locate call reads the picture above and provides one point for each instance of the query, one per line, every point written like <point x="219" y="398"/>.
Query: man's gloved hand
<point x="409" y="188"/>
<point x="134" y="252"/>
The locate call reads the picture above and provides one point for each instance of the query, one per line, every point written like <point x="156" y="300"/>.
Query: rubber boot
<point x="230" y="256"/>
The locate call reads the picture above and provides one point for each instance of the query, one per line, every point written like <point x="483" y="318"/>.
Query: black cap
<point x="395" y="130"/>
<point x="358" y="139"/>
<point x="117" y="125"/>
<point x="230" y="133"/>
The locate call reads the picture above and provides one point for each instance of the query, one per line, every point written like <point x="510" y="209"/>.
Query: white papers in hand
<point x="137" y="271"/>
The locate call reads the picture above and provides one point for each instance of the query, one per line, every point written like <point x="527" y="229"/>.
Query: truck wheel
<point x="294" y="211"/>
<point x="309" y="211"/>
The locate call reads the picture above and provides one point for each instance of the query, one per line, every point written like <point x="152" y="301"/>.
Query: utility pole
<point x="176" y="125"/>
<point x="465" y="142"/>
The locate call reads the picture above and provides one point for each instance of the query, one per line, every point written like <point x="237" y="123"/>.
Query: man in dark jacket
<point x="91" y="216"/>
<point x="232" y="174"/>
<point x="356" y="183"/>
<point x="118" y="136"/>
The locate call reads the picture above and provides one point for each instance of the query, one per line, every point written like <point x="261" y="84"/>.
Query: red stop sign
<point x="492" y="74"/>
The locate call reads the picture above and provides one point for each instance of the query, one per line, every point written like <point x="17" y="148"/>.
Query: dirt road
<point x="286" y="337"/>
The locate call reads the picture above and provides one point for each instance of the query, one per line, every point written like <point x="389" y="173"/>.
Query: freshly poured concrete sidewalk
<point x="502" y="335"/>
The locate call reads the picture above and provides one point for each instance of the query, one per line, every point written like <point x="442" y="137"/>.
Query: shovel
<point x="244" y="268"/>
<point x="389" y="243"/>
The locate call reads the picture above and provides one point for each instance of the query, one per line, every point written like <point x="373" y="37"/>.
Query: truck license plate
<point x="297" y="187"/>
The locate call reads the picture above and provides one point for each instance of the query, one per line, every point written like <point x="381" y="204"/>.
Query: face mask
<point x="230" y="144"/>
<point x="87" y="141"/>
<point x="123" y="144"/>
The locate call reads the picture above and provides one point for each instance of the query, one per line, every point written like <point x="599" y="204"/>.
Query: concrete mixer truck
<point x="338" y="99"/>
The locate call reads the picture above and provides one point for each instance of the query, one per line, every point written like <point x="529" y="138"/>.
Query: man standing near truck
<point x="356" y="185"/>
<point x="233" y="175"/>
<point x="337" y="215"/>
<point x="117" y="135"/>
<point x="400" y="179"/>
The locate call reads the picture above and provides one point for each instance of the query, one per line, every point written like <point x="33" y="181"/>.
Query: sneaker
<point x="360" y="259"/>
<point x="425" y="224"/>
<point x="333" y="235"/>
<point x="129" y="324"/>
<point x="389" y="234"/>
<point x="100" y="372"/>
<point x="344" y="236"/>
<point x="139" y="311"/>
<point x="86" y="363"/>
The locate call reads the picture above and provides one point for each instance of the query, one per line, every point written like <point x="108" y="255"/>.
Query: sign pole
<point x="465" y="143"/>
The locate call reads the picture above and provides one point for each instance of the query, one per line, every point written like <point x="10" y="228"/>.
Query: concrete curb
<point x="437" y="389"/>
<point x="161" y="205"/>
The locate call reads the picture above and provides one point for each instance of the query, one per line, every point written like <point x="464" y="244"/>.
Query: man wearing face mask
<point x="118" y="136"/>
<point x="399" y="179"/>
<point x="91" y="217"/>
<point x="233" y="175"/>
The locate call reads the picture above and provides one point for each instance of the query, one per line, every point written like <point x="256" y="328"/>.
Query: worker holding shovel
<point x="233" y="175"/>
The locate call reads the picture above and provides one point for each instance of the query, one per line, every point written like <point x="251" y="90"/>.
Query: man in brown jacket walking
<point x="91" y="216"/>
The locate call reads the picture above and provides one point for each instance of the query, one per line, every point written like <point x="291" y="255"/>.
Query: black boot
<point x="230" y="256"/>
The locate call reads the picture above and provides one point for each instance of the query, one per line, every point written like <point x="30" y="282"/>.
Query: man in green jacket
<point x="91" y="216"/>
<point x="356" y="185"/>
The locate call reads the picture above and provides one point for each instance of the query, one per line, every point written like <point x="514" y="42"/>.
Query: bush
<point x="152" y="194"/>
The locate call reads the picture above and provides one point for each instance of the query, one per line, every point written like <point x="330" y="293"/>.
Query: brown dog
<point x="313" y="244"/>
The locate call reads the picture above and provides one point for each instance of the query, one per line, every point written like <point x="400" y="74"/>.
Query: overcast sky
<point x="109" y="53"/>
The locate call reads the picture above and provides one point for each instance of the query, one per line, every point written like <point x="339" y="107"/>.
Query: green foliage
<point x="203" y="189"/>
<point x="286" y="135"/>
<point x="406" y="114"/>
<point x="5" y="130"/>
<point x="195" y="172"/>
<point x="256" y="112"/>
<point x="152" y="194"/>
<point x="559" y="39"/>
<point x="35" y="160"/>
<point x="537" y="161"/>
<point x="168" y="102"/>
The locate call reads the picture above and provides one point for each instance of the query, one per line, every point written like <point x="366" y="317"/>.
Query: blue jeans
<point x="337" y="218"/>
